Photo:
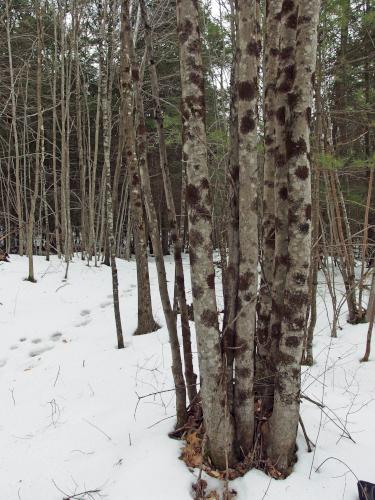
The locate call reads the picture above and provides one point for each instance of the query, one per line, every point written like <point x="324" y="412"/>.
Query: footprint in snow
<point x="85" y="312"/>
<point x="3" y="362"/>
<point x="105" y="304"/>
<point x="13" y="347"/>
<point x="36" y="341"/>
<point x="40" y="350"/>
<point x="22" y="339"/>
<point x="83" y="323"/>
<point x="55" y="336"/>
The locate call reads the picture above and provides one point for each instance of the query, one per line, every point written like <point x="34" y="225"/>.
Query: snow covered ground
<point x="69" y="418"/>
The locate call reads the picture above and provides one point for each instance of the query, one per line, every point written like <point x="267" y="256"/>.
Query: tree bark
<point x="231" y="275"/>
<point x="108" y="187"/>
<point x="284" y="420"/>
<point x="218" y="422"/>
<point x="264" y="366"/>
<point x="249" y="48"/>
<point x="177" y="372"/>
<point x="191" y="377"/>
<point x="370" y="318"/>
<point x="146" y="322"/>
<point x="21" y="228"/>
<point x="39" y="148"/>
<point x="285" y="81"/>
<point x="308" y="357"/>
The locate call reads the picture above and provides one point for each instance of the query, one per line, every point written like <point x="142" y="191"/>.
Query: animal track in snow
<point x="105" y="304"/>
<point x="40" y="350"/>
<point x="3" y="362"/>
<point x="13" y="347"/>
<point x="129" y="290"/>
<point x="85" y="312"/>
<point x="22" y="339"/>
<point x="36" y="341"/>
<point x="85" y="322"/>
<point x="55" y="336"/>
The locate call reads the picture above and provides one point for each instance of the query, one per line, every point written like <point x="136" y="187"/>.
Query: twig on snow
<point x="82" y="495"/>
<point x="98" y="428"/>
<point x="12" y="393"/>
<point x="61" y="286"/>
<point x="308" y="440"/>
<point x="87" y="494"/>
<point x="159" y="421"/>
<point x="57" y="376"/>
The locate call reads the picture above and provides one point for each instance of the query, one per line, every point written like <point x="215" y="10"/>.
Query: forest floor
<point x="71" y="420"/>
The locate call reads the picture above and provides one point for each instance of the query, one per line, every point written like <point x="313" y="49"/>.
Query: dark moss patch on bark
<point x="246" y="90"/>
<point x="209" y="318"/>
<point x="192" y="195"/>
<point x="302" y="172"/>
<point x="211" y="280"/>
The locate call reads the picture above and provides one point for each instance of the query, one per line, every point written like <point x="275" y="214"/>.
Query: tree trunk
<point x="39" y="149"/>
<point x="54" y="144"/>
<point x="264" y="366"/>
<point x="231" y="277"/>
<point x="217" y="419"/>
<point x="370" y="318"/>
<point x="21" y="228"/>
<point x="285" y="417"/>
<point x="175" y="233"/>
<point x="308" y="357"/>
<point x="249" y="48"/>
<point x="108" y="188"/>
<point x="146" y="322"/>
<point x="79" y="126"/>
<point x="178" y="376"/>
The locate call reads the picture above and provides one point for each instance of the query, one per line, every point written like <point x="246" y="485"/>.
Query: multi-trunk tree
<point x="229" y="418"/>
<point x="91" y="162"/>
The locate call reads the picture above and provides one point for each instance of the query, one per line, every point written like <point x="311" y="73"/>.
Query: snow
<point x="70" y="418"/>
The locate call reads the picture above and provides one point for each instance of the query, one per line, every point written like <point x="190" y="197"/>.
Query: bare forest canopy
<point x="241" y="132"/>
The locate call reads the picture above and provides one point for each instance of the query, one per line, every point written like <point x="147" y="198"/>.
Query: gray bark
<point x="146" y="322"/>
<point x="271" y="53"/>
<point x="177" y="372"/>
<point x="285" y="81"/>
<point x="249" y="47"/>
<point x="284" y="421"/>
<point x="218" y="424"/>
<point x="108" y="187"/>
<point x="175" y="233"/>
<point x="39" y="148"/>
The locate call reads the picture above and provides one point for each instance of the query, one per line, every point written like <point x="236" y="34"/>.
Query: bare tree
<point x="39" y="147"/>
<point x="146" y="322"/>
<point x="107" y="167"/>
<point x="175" y="233"/>
<point x="285" y="416"/>
<point x="217" y="418"/>
<point x="249" y="47"/>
